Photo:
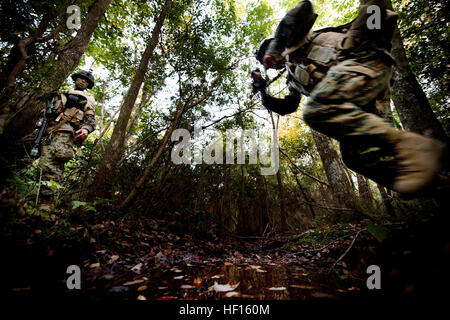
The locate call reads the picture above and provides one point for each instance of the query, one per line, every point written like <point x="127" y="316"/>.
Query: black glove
<point x="259" y="84"/>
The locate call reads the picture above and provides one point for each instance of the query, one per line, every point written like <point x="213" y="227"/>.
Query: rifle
<point x="43" y="124"/>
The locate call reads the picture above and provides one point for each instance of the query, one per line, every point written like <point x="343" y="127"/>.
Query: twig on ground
<point x="39" y="186"/>
<point x="346" y="251"/>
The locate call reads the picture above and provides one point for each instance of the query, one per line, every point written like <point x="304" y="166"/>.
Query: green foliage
<point x="84" y="205"/>
<point x="322" y="236"/>
<point x="378" y="231"/>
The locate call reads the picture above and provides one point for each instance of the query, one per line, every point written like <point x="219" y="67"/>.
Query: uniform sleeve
<point x="89" y="122"/>
<point x="292" y="28"/>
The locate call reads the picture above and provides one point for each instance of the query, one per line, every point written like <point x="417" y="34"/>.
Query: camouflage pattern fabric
<point x="78" y="118"/>
<point x="57" y="150"/>
<point x="292" y="28"/>
<point x="343" y="106"/>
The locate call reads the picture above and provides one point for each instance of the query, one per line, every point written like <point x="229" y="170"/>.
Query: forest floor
<point x="129" y="258"/>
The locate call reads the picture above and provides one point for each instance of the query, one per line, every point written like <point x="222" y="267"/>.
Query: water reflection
<point x="261" y="282"/>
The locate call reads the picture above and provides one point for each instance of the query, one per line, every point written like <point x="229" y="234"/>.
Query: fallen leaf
<point x="163" y="288"/>
<point x="322" y="295"/>
<point x="277" y="288"/>
<point x="130" y="283"/>
<point x="141" y="298"/>
<point x="95" y="265"/>
<point x="167" y="298"/>
<point x="178" y="277"/>
<point x="113" y="258"/>
<point x="137" y="268"/>
<point x="142" y="288"/>
<point x="118" y="289"/>
<point x="217" y="276"/>
<point x="198" y="282"/>
<point x="302" y="286"/>
<point x="225" y="287"/>
<point x="232" y="294"/>
<point x="186" y="286"/>
<point x="126" y="244"/>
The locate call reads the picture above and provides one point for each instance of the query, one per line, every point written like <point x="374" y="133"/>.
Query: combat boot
<point x="418" y="160"/>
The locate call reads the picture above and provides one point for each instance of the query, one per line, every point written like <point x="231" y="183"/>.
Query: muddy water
<point x="205" y="281"/>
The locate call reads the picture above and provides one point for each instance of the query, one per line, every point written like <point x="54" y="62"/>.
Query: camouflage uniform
<point x="349" y="95"/>
<point x="343" y="106"/>
<point x="58" y="145"/>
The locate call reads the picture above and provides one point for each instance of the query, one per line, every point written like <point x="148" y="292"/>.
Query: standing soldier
<point x="72" y="120"/>
<point x="346" y="71"/>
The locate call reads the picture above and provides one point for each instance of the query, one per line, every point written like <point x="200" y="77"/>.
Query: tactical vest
<point x="70" y="108"/>
<point x="308" y="65"/>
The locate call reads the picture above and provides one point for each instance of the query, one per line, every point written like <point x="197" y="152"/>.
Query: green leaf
<point x="52" y="184"/>
<point x="378" y="231"/>
<point x="85" y="205"/>
<point x="77" y="204"/>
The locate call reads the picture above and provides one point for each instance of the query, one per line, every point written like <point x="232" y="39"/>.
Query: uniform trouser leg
<point x="55" y="154"/>
<point x="341" y="107"/>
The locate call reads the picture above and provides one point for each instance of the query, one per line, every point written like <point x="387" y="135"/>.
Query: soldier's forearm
<point x="89" y="123"/>
<point x="292" y="28"/>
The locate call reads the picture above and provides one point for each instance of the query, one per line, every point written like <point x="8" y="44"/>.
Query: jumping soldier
<point x="346" y="72"/>
<point x="72" y="120"/>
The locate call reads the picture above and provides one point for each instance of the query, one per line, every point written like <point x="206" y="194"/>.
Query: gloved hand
<point x="259" y="84"/>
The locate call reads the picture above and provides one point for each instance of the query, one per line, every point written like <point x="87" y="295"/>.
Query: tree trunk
<point x="282" y="201"/>
<point x="337" y="179"/>
<point x="410" y="100"/>
<point x="174" y="124"/>
<point x="266" y="214"/>
<point x="307" y="199"/>
<point x="131" y="124"/>
<point x="102" y="183"/>
<point x="363" y="188"/>
<point x="242" y="228"/>
<point x="364" y="192"/>
<point x="386" y="200"/>
<point x="17" y="61"/>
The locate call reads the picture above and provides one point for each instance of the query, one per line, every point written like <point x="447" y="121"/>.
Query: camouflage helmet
<point x="86" y="75"/>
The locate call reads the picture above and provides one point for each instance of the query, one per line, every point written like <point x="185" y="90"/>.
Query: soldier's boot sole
<point x="419" y="161"/>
